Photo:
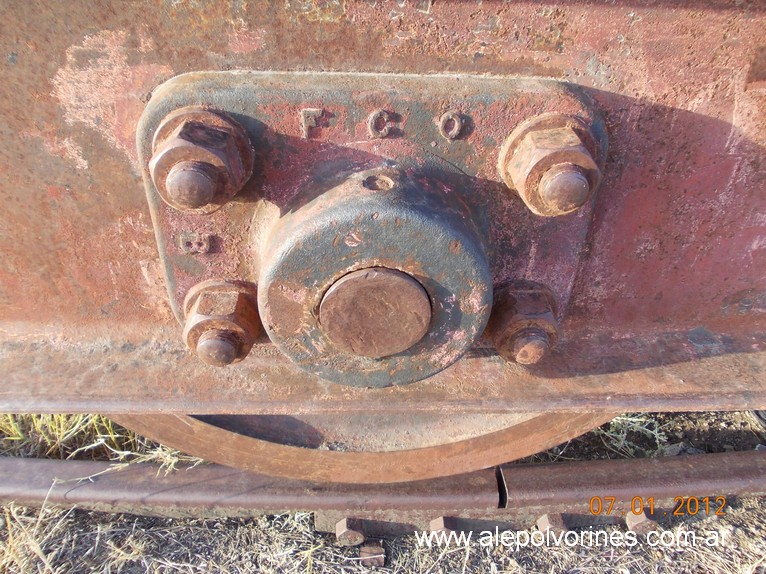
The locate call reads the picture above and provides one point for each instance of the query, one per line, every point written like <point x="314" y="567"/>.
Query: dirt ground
<point x="64" y="541"/>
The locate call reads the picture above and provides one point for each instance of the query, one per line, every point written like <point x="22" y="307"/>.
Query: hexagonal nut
<point x="216" y="149"/>
<point x="542" y="150"/>
<point x="523" y="312"/>
<point x="228" y="310"/>
<point x="349" y="532"/>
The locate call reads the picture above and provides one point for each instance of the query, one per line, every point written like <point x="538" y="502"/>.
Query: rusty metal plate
<point x="668" y="308"/>
<point x="313" y="126"/>
<point x="116" y="371"/>
<point x="309" y="214"/>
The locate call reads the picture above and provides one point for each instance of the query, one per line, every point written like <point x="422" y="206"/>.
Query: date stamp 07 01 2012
<point x="682" y="506"/>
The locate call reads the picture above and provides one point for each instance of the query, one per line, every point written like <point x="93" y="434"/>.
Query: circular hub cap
<point x="375" y="312"/>
<point x="375" y="280"/>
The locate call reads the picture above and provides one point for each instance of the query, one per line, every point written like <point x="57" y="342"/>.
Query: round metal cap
<point x="217" y="348"/>
<point x="530" y="346"/>
<point x="564" y="187"/>
<point x="190" y="184"/>
<point x="375" y="312"/>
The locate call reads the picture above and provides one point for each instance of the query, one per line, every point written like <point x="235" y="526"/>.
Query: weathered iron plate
<point x="291" y="157"/>
<point x="669" y="306"/>
<point x="310" y="131"/>
<point x="116" y="371"/>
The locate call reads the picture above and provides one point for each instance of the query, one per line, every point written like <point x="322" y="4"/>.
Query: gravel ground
<point x="53" y="540"/>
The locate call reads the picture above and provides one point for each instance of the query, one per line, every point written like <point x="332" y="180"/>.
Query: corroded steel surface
<point x="120" y="371"/>
<point x="668" y="303"/>
<point x="317" y="209"/>
<point x="296" y="173"/>
<point x="375" y="312"/>
<point x="195" y="141"/>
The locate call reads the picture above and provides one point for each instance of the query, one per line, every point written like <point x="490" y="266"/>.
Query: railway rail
<point x="636" y="492"/>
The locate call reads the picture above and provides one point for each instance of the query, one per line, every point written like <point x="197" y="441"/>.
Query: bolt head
<point x="348" y="532"/>
<point x="191" y="184"/>
<point x="564" y="188"/>
<point x="218" y="348"/>
<point x="530" y="346"/>
<point x="221" y="322"/>
<point x="201" y="159"/>
<point x="350" y="538"/>
<point x="551" y="169"/>
<point x="523" y="325"/>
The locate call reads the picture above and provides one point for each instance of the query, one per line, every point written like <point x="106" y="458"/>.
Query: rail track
<point x="638" y="493"/>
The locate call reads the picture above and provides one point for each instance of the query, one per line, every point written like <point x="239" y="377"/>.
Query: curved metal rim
<point x="215" y="444"/>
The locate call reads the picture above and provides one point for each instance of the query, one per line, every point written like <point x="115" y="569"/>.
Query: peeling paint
<point x="65" y="148"/>
<point x="99" y="88"/>
<point x="244" y="40"/>
<point x="318" y="10"/>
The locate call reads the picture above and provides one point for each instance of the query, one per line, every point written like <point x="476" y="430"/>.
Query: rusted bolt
<point x="221" y="322"/>
<point x="218" y="347"/>
<point x="379" y="123"/>
<point x="523" y="324"/>
<point x="565" y="187"/>
<point x="349" y="532"/>
<point x="201" y="159"/>
<point x="528" y="346"/>
<point x="375" y="312"/>
<point x="191" y="184"/>
<point x="550" y="163"/>
<point x="451" y="125"/>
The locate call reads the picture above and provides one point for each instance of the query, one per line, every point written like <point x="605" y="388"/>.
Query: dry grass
<point x="91" y="437"/>
<point x="63" y="541"/>
<point x="58" y="541"/>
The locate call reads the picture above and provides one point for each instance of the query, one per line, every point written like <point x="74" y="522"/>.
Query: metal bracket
<point x="309" y="132"/>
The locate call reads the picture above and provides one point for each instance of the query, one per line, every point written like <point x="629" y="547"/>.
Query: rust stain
<point x="65" y="148"/>
<point x="318" y="11"/>
<point x="244" y="40"/>
<point x="100" y="88"/>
